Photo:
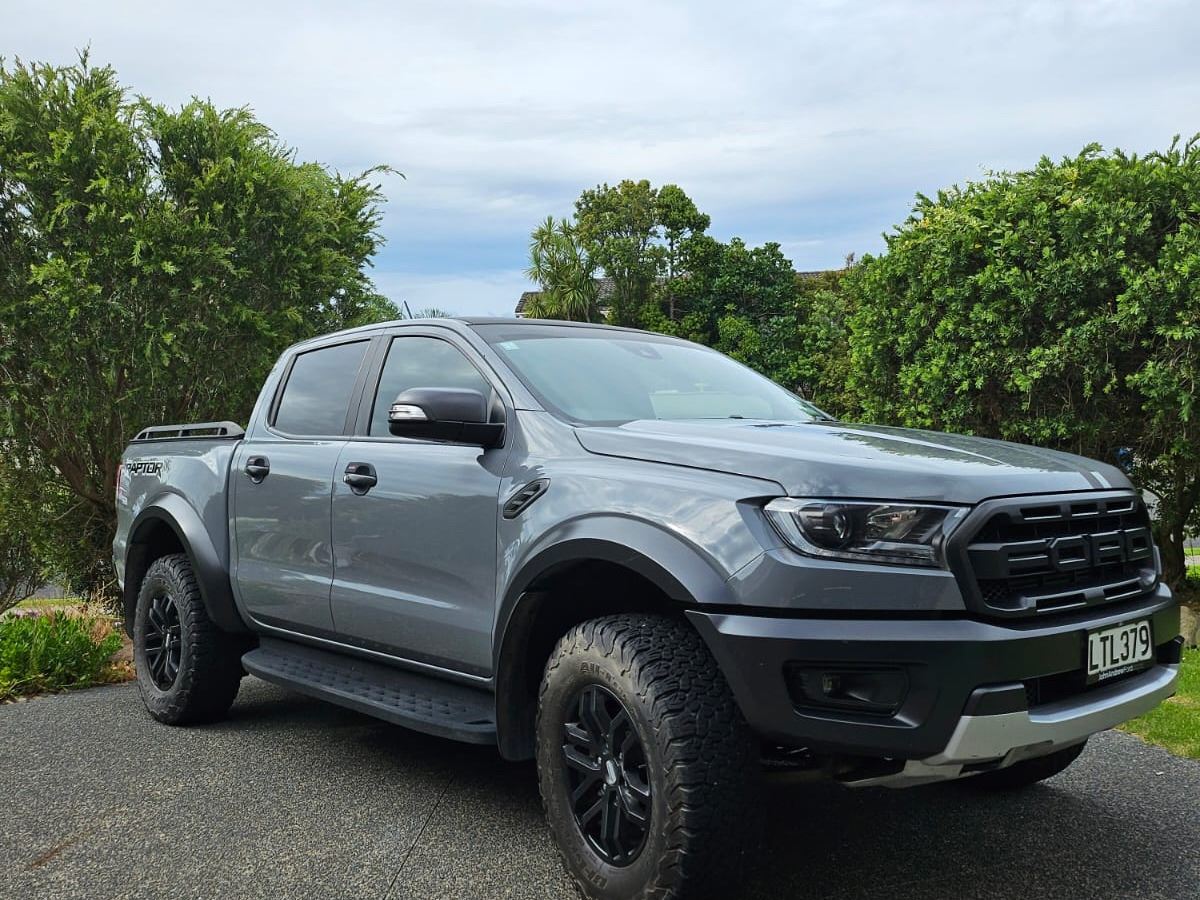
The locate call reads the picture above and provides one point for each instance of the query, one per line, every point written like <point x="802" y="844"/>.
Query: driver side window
<point x="419" y="362"/>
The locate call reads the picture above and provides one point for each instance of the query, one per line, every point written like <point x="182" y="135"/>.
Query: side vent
<point x="517" y="503"/>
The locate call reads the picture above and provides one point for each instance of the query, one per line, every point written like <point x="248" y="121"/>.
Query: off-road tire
<point x="700" y="758"/>
<point x="210" y="667"/>
<point x="1025" y="773"/>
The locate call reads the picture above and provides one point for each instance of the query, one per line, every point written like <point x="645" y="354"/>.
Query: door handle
<point x="258" y="468"/>
<point x="361" y="477"/>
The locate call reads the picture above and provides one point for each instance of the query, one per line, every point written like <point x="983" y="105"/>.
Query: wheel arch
<point x="169" y="525"/>
<point x="598" y="574"/>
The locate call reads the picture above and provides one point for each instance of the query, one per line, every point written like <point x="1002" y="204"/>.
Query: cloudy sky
<point x="808" y="123"/>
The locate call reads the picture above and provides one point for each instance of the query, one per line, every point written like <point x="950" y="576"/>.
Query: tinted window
<point x="598" y="376"/>
<point x="318" y="390"/>
<point x="422" y="362"/>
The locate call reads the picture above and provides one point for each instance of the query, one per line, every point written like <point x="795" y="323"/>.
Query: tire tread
<point x="210" y="675"/>
<point x="710" y="759"/>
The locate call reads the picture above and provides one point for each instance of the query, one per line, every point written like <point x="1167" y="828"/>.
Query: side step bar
<point x="404" y="698"/>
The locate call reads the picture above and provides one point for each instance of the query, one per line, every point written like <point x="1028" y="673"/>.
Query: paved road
<point x="294" y="798"/>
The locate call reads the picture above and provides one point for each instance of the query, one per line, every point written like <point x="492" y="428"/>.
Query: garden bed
<point x="49" y="646"/>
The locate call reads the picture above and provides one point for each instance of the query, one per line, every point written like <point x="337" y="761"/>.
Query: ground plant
<point x="56" y="651"/>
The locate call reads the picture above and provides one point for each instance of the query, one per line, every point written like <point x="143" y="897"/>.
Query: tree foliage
<point x="153" y="263"/>
<point x="565" y="273"/>
<point x="635" y="233"/>
<point x="22" y="530"/>
<point x="1057" y="306"/>
<point x="671" y="276"/>
<point x="756" y="285"/>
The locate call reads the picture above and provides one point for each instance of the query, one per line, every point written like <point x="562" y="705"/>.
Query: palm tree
<point x="560" y="265"/>
<point x="432" y="312"/>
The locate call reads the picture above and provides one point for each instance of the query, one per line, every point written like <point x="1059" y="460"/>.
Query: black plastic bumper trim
<point x="946" y="661"/>
<point x="996" y="700"/>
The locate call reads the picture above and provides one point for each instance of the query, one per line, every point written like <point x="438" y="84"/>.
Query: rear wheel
<point x="188" y="670"/>
<point x="1025" y="773"/>
<point x="647" y="770"/>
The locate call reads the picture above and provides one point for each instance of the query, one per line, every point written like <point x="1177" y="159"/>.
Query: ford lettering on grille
<point x="1072" y="553"/>
<point x="1029" y="556"/>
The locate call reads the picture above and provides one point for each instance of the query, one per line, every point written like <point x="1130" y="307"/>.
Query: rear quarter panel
<point x="197" y="471"/>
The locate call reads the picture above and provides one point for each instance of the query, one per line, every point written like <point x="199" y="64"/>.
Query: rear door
<point x="415" y="555"/>
<point x="282" y="485"/>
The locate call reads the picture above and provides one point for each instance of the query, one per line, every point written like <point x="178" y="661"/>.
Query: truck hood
<point x="829" y="459"/>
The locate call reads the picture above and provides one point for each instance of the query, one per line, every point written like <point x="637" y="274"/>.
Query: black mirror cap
<point x="456" y="415"/>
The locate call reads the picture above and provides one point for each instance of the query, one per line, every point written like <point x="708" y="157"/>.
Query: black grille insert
<point x="1024" y="557"/>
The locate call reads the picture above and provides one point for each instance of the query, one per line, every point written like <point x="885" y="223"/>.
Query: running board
<point x="404" y="698"/>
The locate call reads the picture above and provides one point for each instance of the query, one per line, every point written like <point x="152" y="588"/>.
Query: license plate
<point x="1115" y="651"/>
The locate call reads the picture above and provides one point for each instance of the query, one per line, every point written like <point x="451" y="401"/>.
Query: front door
<point x="415" y="554"/>
<point x="282" y="484"/>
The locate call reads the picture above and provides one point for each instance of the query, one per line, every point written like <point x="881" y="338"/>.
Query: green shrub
<point x="22" y="564"/>
<point x="1054" y="306"/>
<point x="54" y="652"/>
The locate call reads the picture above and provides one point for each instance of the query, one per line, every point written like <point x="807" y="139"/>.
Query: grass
<point x="1176" y="723"/>
<point x="42" y="652"/>
<point x="49" y="603"/>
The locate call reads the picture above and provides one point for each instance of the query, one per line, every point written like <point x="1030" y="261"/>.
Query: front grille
<point x="1027" y="557"/>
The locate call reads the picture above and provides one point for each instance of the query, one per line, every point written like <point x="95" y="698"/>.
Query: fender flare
<point x="662" y="558"/>
<point x="212" y="574"/>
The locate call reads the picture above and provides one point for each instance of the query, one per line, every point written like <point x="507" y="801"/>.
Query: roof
<point x="561" y="323"/>
<point x="458" y="322"/>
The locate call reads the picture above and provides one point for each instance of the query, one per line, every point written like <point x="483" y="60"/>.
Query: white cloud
<point x="477" y="293"/>
<point x="812" y="124"/>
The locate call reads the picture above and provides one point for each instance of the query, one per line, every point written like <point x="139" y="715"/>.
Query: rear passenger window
<point x="317" y="393"/>
<point x="422" y="362"/>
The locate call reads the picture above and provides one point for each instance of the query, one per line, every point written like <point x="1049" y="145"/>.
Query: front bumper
<point x="982" y="743"/>
<point x="969" y="682"/>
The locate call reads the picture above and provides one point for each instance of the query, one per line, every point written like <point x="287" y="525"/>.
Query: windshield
<point x="597" y="377"/>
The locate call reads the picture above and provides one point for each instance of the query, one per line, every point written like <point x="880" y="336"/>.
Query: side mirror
<point x="444" y="414"/>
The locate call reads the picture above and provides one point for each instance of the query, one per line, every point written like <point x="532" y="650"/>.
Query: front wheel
<point x="648" y="772"/>
<point x="188" y="670"/>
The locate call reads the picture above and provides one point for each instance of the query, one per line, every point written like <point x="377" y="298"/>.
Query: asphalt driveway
<point x="295" y="798"/>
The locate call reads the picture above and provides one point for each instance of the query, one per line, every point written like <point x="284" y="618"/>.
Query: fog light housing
<point x="874" y="691"/>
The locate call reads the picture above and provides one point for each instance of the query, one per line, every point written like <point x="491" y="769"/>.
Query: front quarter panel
<point x="687" y="529"/>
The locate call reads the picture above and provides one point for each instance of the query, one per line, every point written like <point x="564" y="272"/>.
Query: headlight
<point x="907" y="534"/>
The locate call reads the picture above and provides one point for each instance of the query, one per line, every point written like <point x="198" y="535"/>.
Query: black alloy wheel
<point x="163" y="641"/>
<point x="607" y="776"/>
<point x="647" y="770"/>
<point x="188" y="669"/>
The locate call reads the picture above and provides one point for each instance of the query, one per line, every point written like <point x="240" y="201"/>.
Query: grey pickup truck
<point x="652" y="570"/>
